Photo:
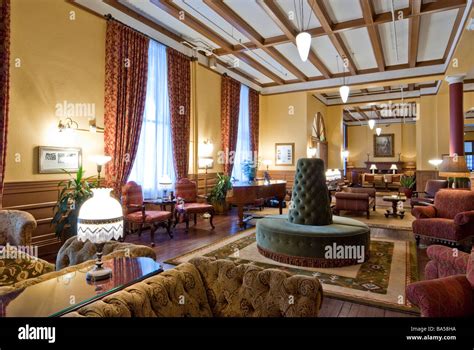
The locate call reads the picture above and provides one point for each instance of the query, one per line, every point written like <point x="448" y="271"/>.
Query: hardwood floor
<point x="201" y="235"/>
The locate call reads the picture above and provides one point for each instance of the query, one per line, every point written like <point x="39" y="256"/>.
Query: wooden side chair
<point x="135" y="213"/>
<point x="186" y="191"/>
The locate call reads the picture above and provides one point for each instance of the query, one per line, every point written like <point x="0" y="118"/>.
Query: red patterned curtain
<point x="230" y="101"/>
<point x="254" y="120"/>
<point x="179" y="89"/>
<point x="4" y="85"/>
<point x="126" y="70"/>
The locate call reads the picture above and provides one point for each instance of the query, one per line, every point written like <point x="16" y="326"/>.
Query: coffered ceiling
<point x="381" y="40"/>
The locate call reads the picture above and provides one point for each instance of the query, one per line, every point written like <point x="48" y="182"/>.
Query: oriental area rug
<point x="380" y="281"/>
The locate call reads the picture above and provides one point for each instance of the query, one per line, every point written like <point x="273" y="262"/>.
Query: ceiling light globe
<point x="303" y="43"/>
<point x="371" y="124"/>
<point x="344" y="92"/>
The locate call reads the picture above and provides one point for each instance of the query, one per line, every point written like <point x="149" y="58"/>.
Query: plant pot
<point x="220" y="208"/>
<point x="408" y="192"/>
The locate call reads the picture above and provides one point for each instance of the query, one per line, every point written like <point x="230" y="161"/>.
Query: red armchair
<point x="355" y="199"/>
<point x="449" y="288"/>
<point x="427" y="196"/>
<point x="450" y="220"/>
<point x="186" y="190"/>
<point x="134" y="212"/>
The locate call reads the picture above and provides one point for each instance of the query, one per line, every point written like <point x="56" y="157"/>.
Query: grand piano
<point x="246" y="193"/>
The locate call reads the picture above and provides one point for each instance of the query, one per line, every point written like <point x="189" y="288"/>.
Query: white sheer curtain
<point x="242" y="150"/>
<point x="154" y="158"/>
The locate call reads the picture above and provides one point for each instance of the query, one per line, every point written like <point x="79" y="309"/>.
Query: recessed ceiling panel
<point x="290" y="51"/>
<point x="343" y="10"/>
<point x="305" y="21"/>
<point x="261" y="78"/>
<point x="253" y="14"/>
<point x="325" y="50"/>
<point x="358" y="43"/>
<point x="435" y="30"/>
<point x="381" y="6"/>
<point x="394" y="42"/>
<point x="263" y="58"/>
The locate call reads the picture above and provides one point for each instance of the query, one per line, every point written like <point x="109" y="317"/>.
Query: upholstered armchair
<point x="427" y="196"/>
<point x="448" y="290"/>
<point x="355" y="199"/>
<point x="16" y="227"/>
<point x="186" y="193"/>
<point x="135" y="213"/>
<point x="213" y="288"/>
<point x="450" y="219"/>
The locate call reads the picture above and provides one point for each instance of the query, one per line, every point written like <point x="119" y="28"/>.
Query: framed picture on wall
<point x="384" y="145"/>
<point x="53" y="160"/>
<point x="285" y="154"/>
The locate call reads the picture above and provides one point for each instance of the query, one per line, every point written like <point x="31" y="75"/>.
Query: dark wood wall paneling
<point x="422" y="176"/>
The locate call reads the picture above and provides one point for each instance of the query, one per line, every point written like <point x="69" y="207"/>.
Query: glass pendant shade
<point x="303" y="43"/>
<point x="371" y="124"/>
<point x="378" y="131"/>
<point x="344" y="92"/>
<point x="100" y="218"/>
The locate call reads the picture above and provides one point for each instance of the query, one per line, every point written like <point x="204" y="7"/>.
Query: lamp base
<point x="99" y="274"/>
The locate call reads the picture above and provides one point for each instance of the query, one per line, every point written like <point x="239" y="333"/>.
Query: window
<point x="242" y="150"/>
<point x="468" y="151"/>
<point x="154" y="159"/>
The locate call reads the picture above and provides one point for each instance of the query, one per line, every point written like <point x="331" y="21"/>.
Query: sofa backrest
<point x="448" y="203"/>
<point x="16" y="227"/>
<point x="246" y="290"/>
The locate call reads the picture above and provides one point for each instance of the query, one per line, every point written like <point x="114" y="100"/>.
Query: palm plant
<point x="74" y="192"/>
<point x="219" y="192"/>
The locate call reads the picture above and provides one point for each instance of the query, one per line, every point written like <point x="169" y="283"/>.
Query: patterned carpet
<point x="381" y="281"/>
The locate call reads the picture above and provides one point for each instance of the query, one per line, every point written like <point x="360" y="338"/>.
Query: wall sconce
<point x="435" y="162"/>
<point x="345" y="154"/>
<point x="100" y="161"/>
<point x="69" y="125"/>
<point x="312" y="152"/>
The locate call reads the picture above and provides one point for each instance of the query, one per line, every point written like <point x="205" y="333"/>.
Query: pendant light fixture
<point x="303" y="43"/>
<point x="378" y="131"/>
<point x="344" y="89"/>
<point x="371" y="124"/>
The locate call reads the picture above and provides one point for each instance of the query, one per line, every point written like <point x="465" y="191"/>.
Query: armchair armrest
<point x="416" y="194"/>
<point x="447" y="257"/>
<point x="464" y="218"/>
<point x="141" y="207"/>
<point x="427" y="212"/>
<point x="201" y="197"/>
<point x="443" y="297"/>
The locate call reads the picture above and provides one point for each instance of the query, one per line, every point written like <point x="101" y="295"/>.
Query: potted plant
<point x="407" y="182"/>
<point x="74" y="191"/>
<point x="249" y="168"/>
<point x="219" y="192"/>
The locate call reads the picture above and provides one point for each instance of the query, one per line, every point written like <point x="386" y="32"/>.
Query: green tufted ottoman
<point x="344" y="242"/>
<point x="310" y="235"/>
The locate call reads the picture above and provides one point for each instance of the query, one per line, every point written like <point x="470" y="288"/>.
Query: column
<point x="456" y="114"/>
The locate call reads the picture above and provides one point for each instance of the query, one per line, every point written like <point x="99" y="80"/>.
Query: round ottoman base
<point x="307" y="261"/>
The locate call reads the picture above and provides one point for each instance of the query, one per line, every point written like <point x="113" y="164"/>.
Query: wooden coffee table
<point x="395" y="212"/>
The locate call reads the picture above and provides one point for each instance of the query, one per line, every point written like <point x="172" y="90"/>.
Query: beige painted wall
<point x="61" y="60"/>
<point x="334" y="129"/>
<point x="361" y="142"/>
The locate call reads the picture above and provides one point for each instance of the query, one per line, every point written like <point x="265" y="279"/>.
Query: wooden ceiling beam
<point x="282" y="21"/>
<point x="377" y="112"/>
<point x="172" y="9"/>
<point x="362" y="113"/>
<point x="244" y="28"/>
<point x="414" y="32"/>
<point x="320" y="11"/>
<point x="374" y="35"/>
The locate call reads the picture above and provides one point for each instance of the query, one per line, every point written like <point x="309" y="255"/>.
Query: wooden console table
<point x="244" y="193"/>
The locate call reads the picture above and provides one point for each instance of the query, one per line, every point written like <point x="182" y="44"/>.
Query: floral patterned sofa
<point x="213" y="288"/>
<point x="449" y="288"/>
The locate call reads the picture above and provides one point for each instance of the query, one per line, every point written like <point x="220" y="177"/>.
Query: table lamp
<point x="373" y="167"/>
<point x="454" y="167"/>
<point x="394" y="168"/>
<point x="100" y="161"/>
<point x="165" y="183"/>
<point x="99" y="221"/>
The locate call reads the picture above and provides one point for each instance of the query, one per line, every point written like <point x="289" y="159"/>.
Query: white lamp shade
<point x="205" y="162"/>
<point x="333" y="174"/>
<point x="378" y="131"/>
<point x="371" y="124"/>
<point x="303" y="43"/>
<point x="345" y="154"/>
<point x="344" y="92"/>
<point x="101" y="160"/>
<point x="165" y="181"/>
<point x="206" y="149"/>
<point x="312" y="152"/>
<point x="373" y="167"/>
<point x="267" y="162"/>
<point x="393" y="167"/>
<point x="100" y="218"/>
